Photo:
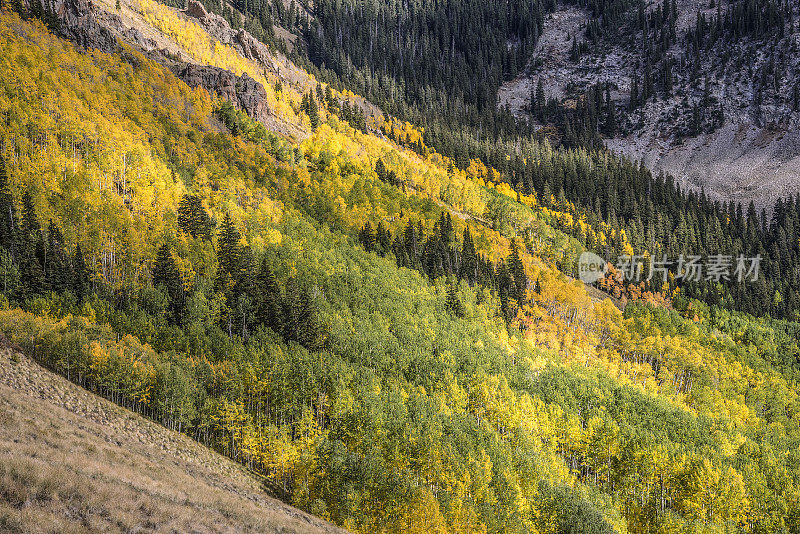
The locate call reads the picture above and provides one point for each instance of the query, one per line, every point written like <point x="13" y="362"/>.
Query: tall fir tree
<point x="453" y="302"/>
<point x="193" y="217"/>
<point x="229" y="252"/>
<point x="469" y="259"/>
<point x="267" y="297"/>
<point x="8" y="217"/>
<point x="167" y="276"/>
<point x="517" y="272"/>
<point x="81" y="275"/>
<point x="58" y="268"/>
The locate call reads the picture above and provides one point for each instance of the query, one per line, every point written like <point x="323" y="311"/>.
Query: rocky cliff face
<point x="94" y="28"/>
<point x="79" y="25"/>
<point x="242" y="91"/>
<point x="221" y="81"/>
<point x="218" y="28"/>
<point x="76" y="20"/>
<point x="89" y="26"/>
<point x="730" y="122"/>
<point x="252" y="97"/>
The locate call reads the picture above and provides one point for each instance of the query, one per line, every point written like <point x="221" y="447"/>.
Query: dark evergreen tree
<point x="453" y="302"/>
<point x="310" y="106"/>
<point x="229" y="252"/>
<point x="634" y="99"/>
<point x="8" y="219"/>
<point x="58" y="267"/>
<point x="81" y="275"/>
<point x="167" y="277"/>
<point x="539" y="103"/>
<point x="30" y="223"/>
<point x="611" y="115"/>
<point x="383" y="240"/>
<point x="301" y="320"/>
<point x="310" y="330"/>
<point x="367" y="238"/>
<point x="32" y="250"/>
<point x="504" y="290"/>
<point x="193" y="217"/>
<point x="268" y="298"/>
<point x="517" y="272"/>
<point x="380" y="170"/>
<point x="469" y="259"/>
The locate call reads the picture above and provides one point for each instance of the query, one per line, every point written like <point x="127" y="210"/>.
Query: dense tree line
<point x="594" y="115"/>
<point x="438" y="254"/>
<point x="720" y="39"/>
<point x="255" y="298"/>
<point x="34" y="262"/>
<point x="659" y="217"/>
<point x="416" y="61"/>
<point x="33" y="259"/>
<point x="442" y="47"/>
<point x="656" y="215"/>
<point x="651" y="221"/>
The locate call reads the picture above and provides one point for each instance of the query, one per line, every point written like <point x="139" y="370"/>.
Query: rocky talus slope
<point x="751" y="148"/>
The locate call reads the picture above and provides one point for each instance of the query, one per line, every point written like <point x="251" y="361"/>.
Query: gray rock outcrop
<point x="77" y="22"/>
<point x="218" y="28"/>
<point x="243" y="92"/>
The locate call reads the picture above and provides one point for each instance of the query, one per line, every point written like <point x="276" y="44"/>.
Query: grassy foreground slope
<point x="73" y="462"/>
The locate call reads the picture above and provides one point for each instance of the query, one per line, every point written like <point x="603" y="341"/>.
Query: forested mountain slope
<point x="574" y="51"/>
<point x="388" y="338"/>
<point x="705" y="90"/>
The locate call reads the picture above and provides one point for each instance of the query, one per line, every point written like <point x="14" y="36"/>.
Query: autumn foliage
<point x="234" y="294"/>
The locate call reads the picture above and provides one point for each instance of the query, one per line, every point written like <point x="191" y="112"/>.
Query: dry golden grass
<point x="73" y="462"/>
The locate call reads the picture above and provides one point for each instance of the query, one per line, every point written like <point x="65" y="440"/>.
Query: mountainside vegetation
<point x="391" y="337"/>
<point x="419" y="63"/>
